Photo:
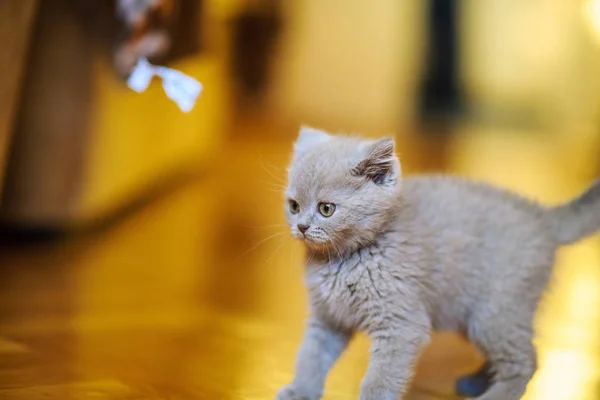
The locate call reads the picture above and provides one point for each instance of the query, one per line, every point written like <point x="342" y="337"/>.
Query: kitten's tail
<point x="578" y="218"/>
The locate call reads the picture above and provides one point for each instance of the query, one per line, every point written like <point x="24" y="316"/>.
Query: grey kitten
<point x="397" y="259"/>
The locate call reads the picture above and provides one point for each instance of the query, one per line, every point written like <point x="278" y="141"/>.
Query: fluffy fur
<point x="398" y="259"/>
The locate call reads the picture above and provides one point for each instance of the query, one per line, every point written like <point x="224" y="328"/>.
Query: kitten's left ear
<point x="381" y="164"/>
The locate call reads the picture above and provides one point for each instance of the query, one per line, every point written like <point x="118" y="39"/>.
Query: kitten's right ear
<point x="309" y="138"/>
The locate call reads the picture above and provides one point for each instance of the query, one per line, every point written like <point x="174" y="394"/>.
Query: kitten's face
<point x="342" y="191"/>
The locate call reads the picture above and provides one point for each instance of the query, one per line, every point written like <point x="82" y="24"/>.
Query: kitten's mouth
<point x="314" y="241"/>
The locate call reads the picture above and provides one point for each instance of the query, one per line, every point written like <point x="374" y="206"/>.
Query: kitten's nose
<point x="303" y="228"/>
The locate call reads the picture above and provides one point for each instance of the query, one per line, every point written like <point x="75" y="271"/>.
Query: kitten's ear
<point x="381" y="164"/>
<point x="310" y="137"/>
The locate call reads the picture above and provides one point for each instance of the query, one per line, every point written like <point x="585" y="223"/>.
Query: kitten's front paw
<point x="292" y="392"/>
<point x="376" y="392"/>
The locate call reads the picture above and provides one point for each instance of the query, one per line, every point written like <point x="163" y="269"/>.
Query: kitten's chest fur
<point x="336" y="293"/>
<point x="352" y="293"/>
<point x="397" y="278"/>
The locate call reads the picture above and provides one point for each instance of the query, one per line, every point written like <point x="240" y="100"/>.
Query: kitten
<point x="399" y="258"/>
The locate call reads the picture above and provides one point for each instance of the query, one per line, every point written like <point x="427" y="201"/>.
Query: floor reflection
<point x="187" y="298"/>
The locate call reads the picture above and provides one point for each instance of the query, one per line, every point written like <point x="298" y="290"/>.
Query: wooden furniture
<point x="85" y="145"/>
<point x="16" y="21"/>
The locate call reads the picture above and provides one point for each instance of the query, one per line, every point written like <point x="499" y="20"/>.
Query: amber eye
<point x="294" y="206"/>
<point x="326" y="209"/>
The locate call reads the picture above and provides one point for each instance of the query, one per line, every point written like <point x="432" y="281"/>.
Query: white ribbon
<point x="179" y="87"/>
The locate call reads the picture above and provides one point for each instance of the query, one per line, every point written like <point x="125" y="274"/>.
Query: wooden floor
<point x="186" y="298"/>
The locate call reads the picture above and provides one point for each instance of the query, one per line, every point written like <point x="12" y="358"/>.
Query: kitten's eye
<point x="326" y="209"/>
<point x="294" y="206"/>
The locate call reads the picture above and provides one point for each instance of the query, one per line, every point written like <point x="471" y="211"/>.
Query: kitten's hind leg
<point x="475" y="384"/>
<point x="507" y="342"/>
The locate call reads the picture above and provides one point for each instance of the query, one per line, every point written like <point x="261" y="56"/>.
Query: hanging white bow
<point x="179" y="87"/>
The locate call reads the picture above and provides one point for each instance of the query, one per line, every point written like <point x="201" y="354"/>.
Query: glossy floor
<point x="186" y="298"/>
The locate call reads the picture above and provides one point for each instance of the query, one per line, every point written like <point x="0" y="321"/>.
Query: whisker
<point x="291" y="258"/>
<point x="284" y="241"/>
<point x="258" y="233"/>
<point x="260" y="243"/>
<point x="274" y="189"/>
<point x="310" y="257"/>
<point x="264" y="226"/>
<point x="272" y="166"/>
<point x="335" y="246"/>
<point x="278" y="179"/>
<point x="275" y="185"/>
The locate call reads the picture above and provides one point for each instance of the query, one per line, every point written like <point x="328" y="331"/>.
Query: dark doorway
<point x="440" y="92"/>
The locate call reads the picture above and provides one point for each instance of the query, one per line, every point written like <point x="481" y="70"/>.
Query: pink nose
<point x="303" y="228"/>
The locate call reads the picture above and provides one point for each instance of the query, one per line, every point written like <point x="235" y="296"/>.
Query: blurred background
<point x="143" y="251"/>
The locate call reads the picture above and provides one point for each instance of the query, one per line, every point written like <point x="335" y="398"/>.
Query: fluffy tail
<point x="578" y="218"/>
